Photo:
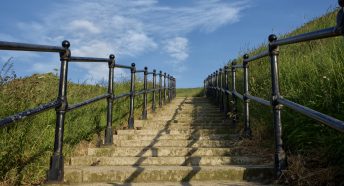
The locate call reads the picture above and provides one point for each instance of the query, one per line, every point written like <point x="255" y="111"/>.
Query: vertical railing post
<point x="108" y="138"/>
<point x="226" y="95"/>
<point x="220" y="90"/>
<point x="170" y="85"/>
<point x="280" y="156"/>
<point x="144" y="107"/>
<point x="174" y="88"/>
<point x="234" y="98"/>
<point x="217" y="87"/>
<point x="154" y="91"/>
<point x="56" y="170"/>
<point x="168" y="88"/>
<point x="132" y="97"/>
<point x="247" y="127"/>
<point x="213" y="86"/>
<point x="160" y="89"/>
<point x="164" y="88"/>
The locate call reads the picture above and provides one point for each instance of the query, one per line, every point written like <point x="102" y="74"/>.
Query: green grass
<point x="27" y="145"/>
<point x="311" y="74"/>
<point x="189" y="92"/>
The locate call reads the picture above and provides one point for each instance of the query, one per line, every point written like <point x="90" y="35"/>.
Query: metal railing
<point x="220" y="92"/>
<point x="56" y="170"/>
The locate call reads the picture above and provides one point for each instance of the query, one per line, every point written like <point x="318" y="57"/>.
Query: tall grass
<point x="189" y="92"/>
<point x="27" y="145"/>
<point x="311" y="74"/>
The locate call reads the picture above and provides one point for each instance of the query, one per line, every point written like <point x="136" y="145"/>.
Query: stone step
<point x="175" y="131"/>
<point x="162" y="161"/>
<point x="196" y="183"/>
<point x="186" y="122"/>
<point x="87" y="174"/>
<point x="165" y="151"/>
<point x="185" y="127"/>
<point x="173" y="137"/>
<point x="173" y="143"/>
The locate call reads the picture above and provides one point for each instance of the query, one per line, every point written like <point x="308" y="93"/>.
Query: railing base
<point x="55" y="173"/>
<point x="108" y="140"/>
<point x="131" y="123"/>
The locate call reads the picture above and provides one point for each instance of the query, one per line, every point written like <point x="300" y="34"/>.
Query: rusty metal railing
<point x="220" y="92"/>
<point x="55" y="173"/>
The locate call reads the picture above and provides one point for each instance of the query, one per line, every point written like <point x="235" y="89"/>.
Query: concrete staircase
<point x="188" y="142"/>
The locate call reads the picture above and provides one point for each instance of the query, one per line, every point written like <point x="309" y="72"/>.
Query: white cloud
<point x="128" y="28"/>
<point x="177" y="48"/>
<point x="83" y="25"/>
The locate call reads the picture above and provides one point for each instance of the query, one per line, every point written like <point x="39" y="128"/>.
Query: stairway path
<point x="188" y="142"/>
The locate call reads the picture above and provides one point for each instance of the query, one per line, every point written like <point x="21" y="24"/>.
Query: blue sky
<point x="187" y="39"/>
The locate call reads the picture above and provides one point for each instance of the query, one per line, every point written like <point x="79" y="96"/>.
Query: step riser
<point x="174" y="137"/>
<point x="163" y="151"/>
<point x="161" y="161"/>
<point x="174" y="143"/>
<point x="176" y="132"/>
<point x="177" y="175"/>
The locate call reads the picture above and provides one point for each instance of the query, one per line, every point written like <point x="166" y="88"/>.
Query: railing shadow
<point x="137" y="164"/>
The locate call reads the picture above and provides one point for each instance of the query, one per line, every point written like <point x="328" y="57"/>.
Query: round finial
<point x="146" y="68"/>
<point x="65" y="44"/>
<point x="246" y="56"/>
<point x="341" y="3"/>
<point x="165" y="73"/>
<point x="272" y="37"/>
<point x="133" y="65"/>
<point x="160" y="72"/>
<point x="154" y="71"/>
<point x="111" y="56"/>
<point x="234" y="62"/>
<point x="216" y="71"/>
<point x="226" y="67"/>
<point x="220" y="69"/>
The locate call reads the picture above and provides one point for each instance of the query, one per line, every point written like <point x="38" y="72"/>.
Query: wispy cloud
<point x="177" y="48"/>
<point x="129" y="28"/>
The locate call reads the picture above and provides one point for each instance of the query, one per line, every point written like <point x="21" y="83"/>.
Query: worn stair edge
<point x="80" y="174"/>
<point x="163" y="161"/>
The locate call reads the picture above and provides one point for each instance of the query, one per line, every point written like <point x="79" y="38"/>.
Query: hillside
<point x="26" y="146"/>
<point x="311" y="74"/>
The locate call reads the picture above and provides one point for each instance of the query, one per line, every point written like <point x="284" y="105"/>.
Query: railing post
<point x="226" y="95"/>
<point x="160" y="89"/>
<point x="154" y="87"/>
<point x="132" y="97"/>
<point x="247" y="127"/>
<point x="170" y="83"/>
<point x="56" y="170"/>
<point x="234" y="98"/>
<point x="108" y="140"/>
<point x="164" y="88"/>
<point x="280" y="156"/>
<point x="217" y="88"/>
<point x="144" y="109"/>
<point x="220" y="90"/>
<point x="213" y="86"/>
<point x="168" y="88"/>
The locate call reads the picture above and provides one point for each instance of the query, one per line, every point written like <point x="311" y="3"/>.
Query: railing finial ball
<point x="65" y="44"/>
<point x="246" y="56"/>
<point x="133" y="65"/>
<point x="272" y="37"/>
<point x="154" y="71"/>
<point x="146" y="68"/>
<point x="234" y="62"/>
<point x="341" y="3"/>
<point x="111" y="56"/>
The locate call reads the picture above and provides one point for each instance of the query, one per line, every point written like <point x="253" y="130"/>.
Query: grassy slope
<point x="311" y="74"/>
<point x="26" y="146"/>
<point x="189" y="92"/>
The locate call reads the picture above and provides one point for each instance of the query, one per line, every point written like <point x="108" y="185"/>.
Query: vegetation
<point x="311" y="73"/>
<point x="189" y="92"/>
<point x="27" y="145"/>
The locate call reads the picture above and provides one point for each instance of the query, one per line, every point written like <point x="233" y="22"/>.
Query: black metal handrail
<point x="214" y="87"/>
<point x="56" y="170"/>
